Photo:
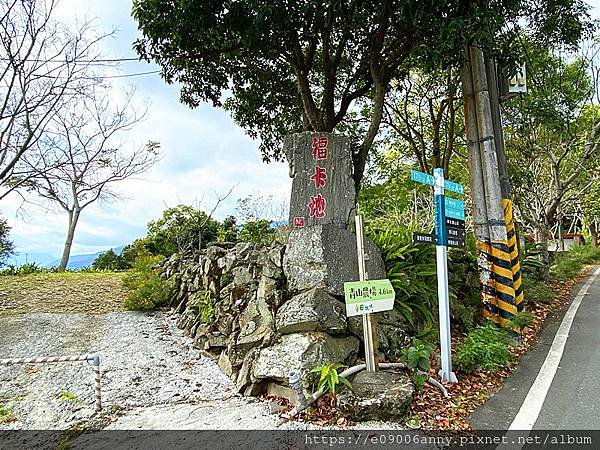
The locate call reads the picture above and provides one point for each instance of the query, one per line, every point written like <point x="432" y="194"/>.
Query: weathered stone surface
<point x="302" y="351"/>
<point x="225" y="364"/>
<point x="391" y="332"/>
<point x="377" y="396"/>
<point x="326" y="256"/>
<point x="269" y="290"/>
<point x="337" y="189"/>
<point x="313" y="310"/>
<point x="242" y="276"/>
<point x="256" y="323"/>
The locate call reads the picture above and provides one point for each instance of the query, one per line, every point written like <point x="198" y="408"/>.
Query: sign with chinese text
<point x="366" y="297"/>
<point x="322" y="187"/>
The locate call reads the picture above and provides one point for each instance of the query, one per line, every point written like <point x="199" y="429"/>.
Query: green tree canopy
<point x="180" y="229"/>
<point x="296" y="65"/>
<point x="6" y="245"/>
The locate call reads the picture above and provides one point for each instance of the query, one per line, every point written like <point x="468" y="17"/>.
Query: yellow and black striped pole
<point x="513" y="246"/>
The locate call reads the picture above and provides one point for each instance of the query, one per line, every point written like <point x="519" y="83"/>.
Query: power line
<point x="77" y="61"/>
<point x="128" y="75"/>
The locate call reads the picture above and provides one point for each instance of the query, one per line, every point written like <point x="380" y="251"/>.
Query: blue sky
<point x="204" y="155"/>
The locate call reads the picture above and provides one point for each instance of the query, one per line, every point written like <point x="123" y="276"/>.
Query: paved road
<point x="573" y="398"/>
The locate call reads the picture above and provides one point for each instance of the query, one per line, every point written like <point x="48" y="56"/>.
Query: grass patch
<point x="537" y="291"/>
<point x="569" y="264"/>
<point x="486" y="348"/>
<point x="86" y="292"/>
<point x="6" y="414"/>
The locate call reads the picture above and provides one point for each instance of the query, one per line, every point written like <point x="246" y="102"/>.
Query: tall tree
<point x="42" y="65"/>
<point x="85" y="138"/>
<point x="296" y="65"/>
<point x="552" y="138"/>
<point x="424" y="112"/>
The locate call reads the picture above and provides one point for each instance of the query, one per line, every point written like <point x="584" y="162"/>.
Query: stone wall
<point x="257" y="331"/>
<point x="263" y="311"/>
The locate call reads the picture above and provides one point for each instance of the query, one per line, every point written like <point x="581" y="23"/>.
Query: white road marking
<point x="532" y="405"/>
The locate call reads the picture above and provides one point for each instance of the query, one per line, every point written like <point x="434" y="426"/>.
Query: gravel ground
<point x="150" y="373"/>
<point x="145" y="361"/>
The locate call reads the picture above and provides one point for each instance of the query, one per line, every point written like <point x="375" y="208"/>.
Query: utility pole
<point x="489" y="185"/>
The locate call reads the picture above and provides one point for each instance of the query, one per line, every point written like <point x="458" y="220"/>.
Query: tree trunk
<point x="73" y="219"/>
<point x="541" y="236"/>
<point x="594" y="233"/>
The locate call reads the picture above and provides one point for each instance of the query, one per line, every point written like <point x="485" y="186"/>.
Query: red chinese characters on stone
<point x="298" y="222"/>
<point x="319" y="148"/>
<point x="319" y="177"/>
<point x="316" y="206"/>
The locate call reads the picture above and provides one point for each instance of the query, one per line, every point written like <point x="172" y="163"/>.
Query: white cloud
<point x="204" y="155"/>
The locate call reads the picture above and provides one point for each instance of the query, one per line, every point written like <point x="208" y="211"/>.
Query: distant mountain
<point x="41" y="259"/>
<point x="79" y="261"/>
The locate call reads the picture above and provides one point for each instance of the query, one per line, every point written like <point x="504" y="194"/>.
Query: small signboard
<point x="454" y="208"/>
<point x="423" y="238"/>
<point x="422" y="177"/>
<point x="455" y="242"/>
<point x="454" y="187"/>
<point x="365" y="297"/>
<point x="455" y="223"/>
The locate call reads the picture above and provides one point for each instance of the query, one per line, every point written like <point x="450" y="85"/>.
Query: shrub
<point x="522" y="320"/>
<point x="486" y="347"/>
<point x="6" y="414"/>
<point x="537" y="291"/>
<point x="411" y="270"/>
<point x="416" y="358"/>
<point x="569" y="264"/>
<point x="147" y="289"/>
<point x="565" y="267"/>
<point x="203" y="305"/>
<point x="258" y="231"/>
<point x="110" y="261"/>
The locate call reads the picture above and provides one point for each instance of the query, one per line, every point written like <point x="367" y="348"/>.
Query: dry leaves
<point x="431" y="411"/>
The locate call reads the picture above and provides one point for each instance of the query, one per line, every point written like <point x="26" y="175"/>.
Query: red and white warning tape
<point x="95" y="359"/>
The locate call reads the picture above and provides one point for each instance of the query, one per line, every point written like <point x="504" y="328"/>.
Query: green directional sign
<point x="365" y="297"/>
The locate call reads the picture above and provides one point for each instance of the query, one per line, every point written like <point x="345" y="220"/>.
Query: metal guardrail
<point x="95" y="359"/>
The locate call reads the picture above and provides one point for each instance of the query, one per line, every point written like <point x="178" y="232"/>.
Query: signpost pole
<point x="368" y="319"/>
<point x="442" y="278"/>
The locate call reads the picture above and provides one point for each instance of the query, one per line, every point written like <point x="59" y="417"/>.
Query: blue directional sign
<point x="454" y="208"/>
<point x="454" y="187"/>
<point x="422" y="177"/>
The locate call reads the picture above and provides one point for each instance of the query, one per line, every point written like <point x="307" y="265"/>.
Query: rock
<point x="216" y="339"/>
<point x="274" y="408"/>
<point x="242" y="249"/>
<point x="244" y="375"/>
<point x="242" y="276"/>
<point x="338" y="189"/>
<point x="377" y="396"/>
<point x="227" y="262"/>
<point x="256" y="324"/>
<point x="326" y="256"/>
<point x="391" y="332"/>
<point x="302" y="351"/>
<point x="214" y="252"/>
<point x="225" y="364"/>
<point x="269" y="290"/>
<point x="313" y="310"/>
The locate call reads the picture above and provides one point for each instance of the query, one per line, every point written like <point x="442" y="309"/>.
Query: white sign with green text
<point x="371" y="296"/>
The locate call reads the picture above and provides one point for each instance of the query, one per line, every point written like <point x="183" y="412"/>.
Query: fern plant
<point x="412" y="272"/>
